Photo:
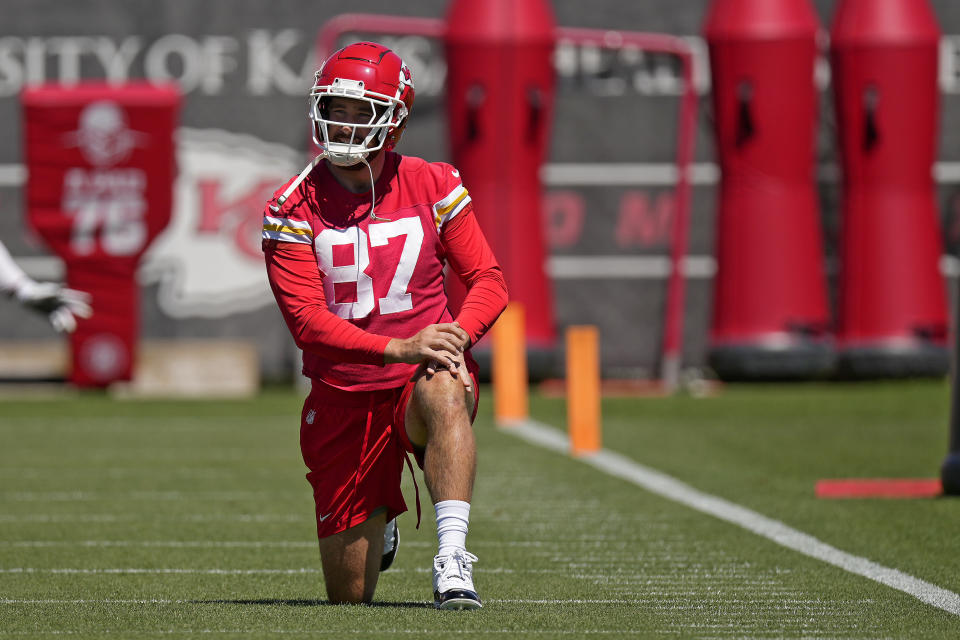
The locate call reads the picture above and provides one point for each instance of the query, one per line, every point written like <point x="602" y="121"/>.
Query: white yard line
<point x="85" y="496"/>
<point x="124" y="517"/>
<point x="279" y="601"/>
<point x="668" y="487"/>
<point x="242" y="544"/>
<point x="339" y="633"/>
<point x="251" y="572"/>
<point x="161" y="570"/>
<point x="167" y="544"/>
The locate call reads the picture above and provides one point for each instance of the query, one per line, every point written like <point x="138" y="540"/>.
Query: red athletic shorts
<point x="355" y="445"/>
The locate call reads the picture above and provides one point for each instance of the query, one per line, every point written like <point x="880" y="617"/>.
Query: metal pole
<point x="950" y="470"/>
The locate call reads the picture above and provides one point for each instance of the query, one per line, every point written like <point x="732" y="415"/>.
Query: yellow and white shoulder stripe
<point x="449" y="207"/>
<point x="287" y="230"/>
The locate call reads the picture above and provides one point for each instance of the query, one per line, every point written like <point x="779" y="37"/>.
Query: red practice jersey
<point x="348" y="281"/>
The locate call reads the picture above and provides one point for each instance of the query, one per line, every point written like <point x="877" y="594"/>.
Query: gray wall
<point x="245" y="66"/>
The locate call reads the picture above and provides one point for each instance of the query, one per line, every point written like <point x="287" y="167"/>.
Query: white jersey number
<point x="109" y="207"/>
<point x="120" y="223"/>
<point x="397" y="298"/>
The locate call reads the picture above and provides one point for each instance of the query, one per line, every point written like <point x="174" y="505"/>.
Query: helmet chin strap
<point x="306" y="171"/>
<point x="373" y="194"/>
<point x="296" y="183"/>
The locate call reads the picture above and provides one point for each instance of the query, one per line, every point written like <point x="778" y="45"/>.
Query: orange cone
<point x="510" y="383"/>
<point x="583" y="389"/>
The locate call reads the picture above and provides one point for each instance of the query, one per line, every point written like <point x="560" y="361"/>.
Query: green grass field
<point x="192" y="519"/>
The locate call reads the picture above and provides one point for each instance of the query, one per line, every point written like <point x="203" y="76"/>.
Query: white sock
<point x="453" y="518"/>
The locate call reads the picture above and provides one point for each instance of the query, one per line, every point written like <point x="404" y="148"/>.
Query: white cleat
<point x="453" y="581"/>
<point x="391" y="541"/>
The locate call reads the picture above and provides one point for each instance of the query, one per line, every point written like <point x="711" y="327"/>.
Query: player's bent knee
<point x="441" y="391"/>
<point x="351" y="561"/>
<point x="438" y="402"/>
<point x="349" y="588"/>
<point x="339" y="597"/>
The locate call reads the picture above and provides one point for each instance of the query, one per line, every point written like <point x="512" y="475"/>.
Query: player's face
<point x="350" y="111"/>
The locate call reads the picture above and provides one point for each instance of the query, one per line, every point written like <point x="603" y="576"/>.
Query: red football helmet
<point x="362" y="71"/>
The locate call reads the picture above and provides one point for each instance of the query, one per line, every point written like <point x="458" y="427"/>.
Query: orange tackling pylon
<point x="509" y="367"/>
<point x="583" y="389"/>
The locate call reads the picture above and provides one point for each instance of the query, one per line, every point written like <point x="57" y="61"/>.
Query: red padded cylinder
<point x="500" y="91"/>
<point x="892" y="317"/>
<point x="101" y="166"/>
<point x="770" y="312"/>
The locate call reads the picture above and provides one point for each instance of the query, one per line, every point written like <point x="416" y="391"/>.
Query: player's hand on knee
<point x="460" y="372"/>
<point x="441" y="343"/>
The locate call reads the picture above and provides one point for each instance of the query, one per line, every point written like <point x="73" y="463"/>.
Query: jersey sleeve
<point x="298" y="288"/>
<point x="287" y="223"/>
<point x="473" y="261"/>
<point x="455" y="199"/>
<point x="468" y="254"/>
<point x="282" y="229"/>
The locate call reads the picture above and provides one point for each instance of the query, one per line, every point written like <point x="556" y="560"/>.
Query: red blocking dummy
<point x="500" y="89"/>
<point x="101" y="167"/>
<point x="770" y="313"/>
<point x="892" y="314"/>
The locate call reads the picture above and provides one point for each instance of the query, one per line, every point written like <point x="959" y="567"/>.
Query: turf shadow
<point x="288" y="602"/>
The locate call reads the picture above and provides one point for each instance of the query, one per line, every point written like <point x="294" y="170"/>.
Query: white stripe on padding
<point x="668" y="487"/>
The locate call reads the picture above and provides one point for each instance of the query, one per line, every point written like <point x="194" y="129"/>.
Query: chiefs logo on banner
<point x="101" y="167"/>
